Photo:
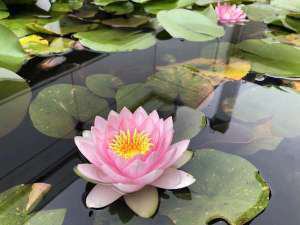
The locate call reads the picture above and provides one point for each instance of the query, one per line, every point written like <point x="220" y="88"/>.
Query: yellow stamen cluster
<point x="127" y="145"/>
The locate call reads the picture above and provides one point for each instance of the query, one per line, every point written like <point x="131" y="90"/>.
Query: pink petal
<point x="128" y="188"/>
<point x="92" y="174"/>
<point x="180" y="147"/>
<point x="149" y="177"/>
<point x="169" y="179"/>
<point x="139" y="116"/>
<point x="174" y="179"/>
<point x="101" y="196"/>
<point x="87" y="134"/>
<point x="100" y="123"/>
<point x="88" y="149"/>
<point x="154" y="116"/>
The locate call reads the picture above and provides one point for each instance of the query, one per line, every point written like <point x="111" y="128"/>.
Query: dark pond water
<point x="266" y="133"/>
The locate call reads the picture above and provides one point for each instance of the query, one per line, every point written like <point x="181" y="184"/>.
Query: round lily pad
<point x="257" y="103"/>
<point x="227" y="187"/>
<point x="103" y="85"/>
<point x="15" y="95"/>
<point x="59" y="108"/>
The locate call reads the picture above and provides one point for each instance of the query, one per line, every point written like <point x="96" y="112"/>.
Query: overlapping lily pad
<point x="15" y="96"/>
<point x="155" y="6"/>
<point x="259" y="103"/>
<point x="227" y="187"/>
<point x="271" y="57"/>
<point x="12" y="55"/>
<point x="58" y="109"/>
<point x="38" y="46"/>
<point x="113" y="40"/>
<point x="191" y="25"/>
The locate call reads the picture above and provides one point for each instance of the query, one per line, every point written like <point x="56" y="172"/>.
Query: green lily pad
<point x="119" y="8"/>
<point x="15" y="96"/>
<point x="271" y="57"/>
<point x="106" y="2"/>
<point x="155" y="6"/>
<point x="103" y="85"/>
<point x="14" y="206"/>
<point x="59" y="108"/>
<point x="12" y="55"/>
<point x="48" y="217"/>
<point x="62" y="26"/>
<point x="189" y="122"/>
<point x="180" y="83"/>
<point x="113" y="40"/>
<point x="3" y="10"/>
<point x="191" y="25"/>
<point x="132" y="96"/>
<point x="290" y="5"/>
<point x="57" y="46"/>
<point x="227" y="187"/>
<point x="131" y="22"/>
<point x="259" y="103"/>
<point x="264" y="12"/>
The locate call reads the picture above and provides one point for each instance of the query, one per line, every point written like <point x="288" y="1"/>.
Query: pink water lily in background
<point x="130" y="155"/>
<point x="230" y="14"/>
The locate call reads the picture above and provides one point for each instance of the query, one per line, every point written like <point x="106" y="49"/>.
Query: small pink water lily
<point x="132" y="154"/>
<point x="230" y="14"/>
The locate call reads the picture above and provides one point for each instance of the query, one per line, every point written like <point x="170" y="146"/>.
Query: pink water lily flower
<point x="130" y="155"/>
<point x="230" y="14"/>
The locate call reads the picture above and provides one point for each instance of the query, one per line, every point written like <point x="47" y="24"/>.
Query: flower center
<point x="128" y="145"/>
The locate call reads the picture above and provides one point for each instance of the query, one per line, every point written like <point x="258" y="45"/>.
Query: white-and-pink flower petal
<point x="91" y="173"/>
<point x="101" y="196"/>
<point x="128" y="188"/>
<point x="174" y="179"/>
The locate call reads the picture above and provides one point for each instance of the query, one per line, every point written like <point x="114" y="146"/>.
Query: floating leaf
<point x="131" y="22"/>
<point x="12" y="56"/>
<point x="189" y="122"/>
<point x="227" y="187"/>
<point x="38" y="191"/>
<point x="48" y="217"/>
<point x="61" y="26"/>
<point x="119" y="8"/>
<point x="14" y="206"/>
<point x="113" y="40"/>
<point x="190" y="25"/>
<point x="292" y="39"/>
<point x="15" y="96"/>
<point x="271" y="58"/>
<point x="59" y="108"/>
<point x="290" y="5"/>
<point x="103" y="85"/>
<point x="154" y="7"/>
<point x="36" y="45"/>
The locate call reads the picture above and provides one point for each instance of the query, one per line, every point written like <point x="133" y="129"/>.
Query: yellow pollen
<point x="127" y="145"/>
